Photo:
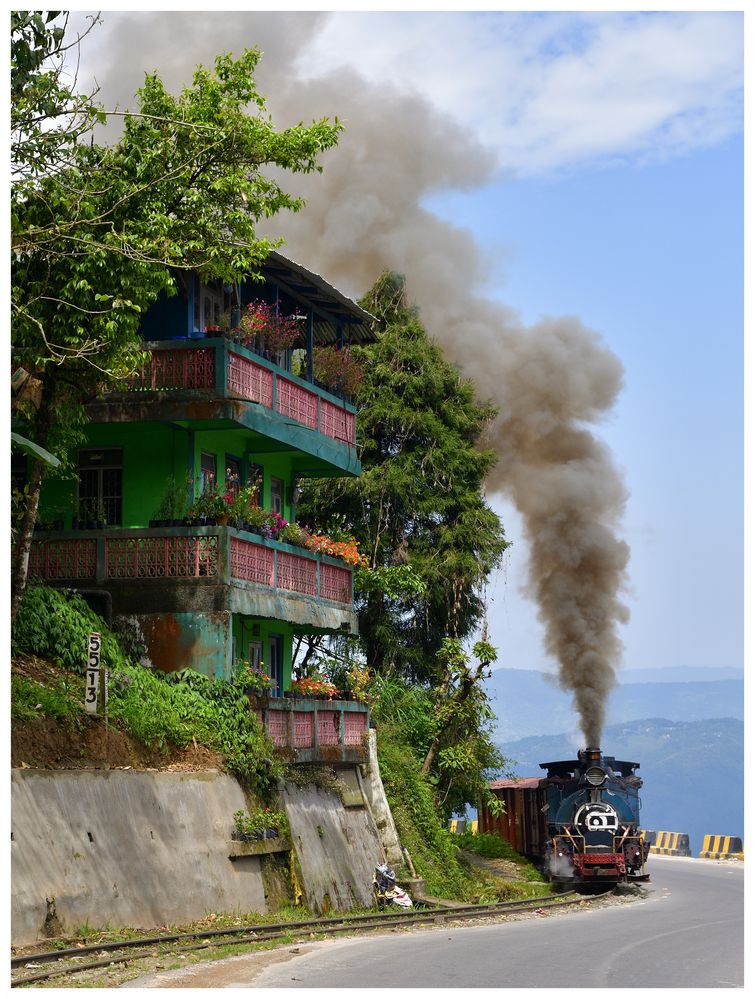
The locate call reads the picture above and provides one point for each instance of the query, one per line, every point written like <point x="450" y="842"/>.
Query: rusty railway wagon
<point x="580" y="823"/>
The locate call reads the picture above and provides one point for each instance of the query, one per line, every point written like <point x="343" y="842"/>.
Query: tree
<point x="419" y="503"/>
<point x="99" y="231"/>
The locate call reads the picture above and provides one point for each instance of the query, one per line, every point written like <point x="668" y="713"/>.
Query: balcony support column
<point x="310" y="347"/>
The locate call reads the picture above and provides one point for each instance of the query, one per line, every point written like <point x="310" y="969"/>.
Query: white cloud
<point x="552" y="90"/>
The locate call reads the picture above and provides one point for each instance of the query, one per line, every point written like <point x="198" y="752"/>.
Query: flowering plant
<point x="259" y="319"/>
<point x="254" y="677"/>
<point x="210" y="502"/>
<point x="345" y="550"/>
<point x="337" y="369"/>
<point x="313" y="686"/>
<point x="273" y="525"/>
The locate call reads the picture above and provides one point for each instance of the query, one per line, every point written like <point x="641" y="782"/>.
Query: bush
<point x="153" y="708"/>
<point x="56" y="624"/>
<point x="30" y="700"/>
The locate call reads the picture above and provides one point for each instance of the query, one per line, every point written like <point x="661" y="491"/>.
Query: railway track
<point x="69" y="961"/>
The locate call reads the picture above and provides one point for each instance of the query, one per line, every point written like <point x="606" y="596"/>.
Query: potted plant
<point x="274" y="524"/>
<point x="207" y="506"/>
<point x="315" y="686"/>
<point x="261" y="824"/>
<point x="337" y="369"/>
<point x="255" y="519"/>
<point x="263" y="329"/>
<point x="170" y="513"/>
<point x="293" y="534"/>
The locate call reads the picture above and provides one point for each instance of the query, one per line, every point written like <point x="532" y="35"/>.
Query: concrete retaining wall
<point x="124" y="848"/>
<point x="337" y="847"/>
<point x="148" y="849"/>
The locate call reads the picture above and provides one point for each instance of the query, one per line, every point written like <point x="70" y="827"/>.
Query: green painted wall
<point x="248" y="629"/>
<point x="154" y="453"/>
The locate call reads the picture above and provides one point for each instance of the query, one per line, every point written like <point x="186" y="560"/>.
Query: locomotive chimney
<point x="589" y="755"/>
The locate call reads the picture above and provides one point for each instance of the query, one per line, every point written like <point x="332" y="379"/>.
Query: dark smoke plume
<point x="365" y="215"/>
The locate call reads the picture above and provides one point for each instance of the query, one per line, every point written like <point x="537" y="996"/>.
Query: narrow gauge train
<point x="580" y="822"/>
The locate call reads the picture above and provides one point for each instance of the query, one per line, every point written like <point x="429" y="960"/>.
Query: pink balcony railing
<point x="215" y="554"/>
<point x="315" y="730"/>
<point x="305" y="574"/>
<point x="169" y="370"/>
<point x="250" y="380"/>
<point x="161" y="558"/>
<point x="63" y="559"/>
<point x="183" y="368"/>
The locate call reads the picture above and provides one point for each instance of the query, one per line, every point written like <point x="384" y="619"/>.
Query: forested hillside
<point x="528" y="703"/>
<point x="692" y="771"/>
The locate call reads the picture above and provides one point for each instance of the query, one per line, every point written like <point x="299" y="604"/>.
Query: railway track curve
<point x="69" y="961"/>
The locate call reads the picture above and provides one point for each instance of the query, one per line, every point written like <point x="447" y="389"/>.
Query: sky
<point x="583" y="165"/>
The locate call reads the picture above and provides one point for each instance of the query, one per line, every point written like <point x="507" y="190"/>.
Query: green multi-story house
<point x="211" y="410"/>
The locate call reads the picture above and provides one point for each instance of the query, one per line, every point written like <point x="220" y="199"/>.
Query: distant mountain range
<point x="528" y="703"/>
<point x="693" y="771"/>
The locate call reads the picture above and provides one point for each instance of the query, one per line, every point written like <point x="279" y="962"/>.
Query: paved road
<point x="687" y="933"/>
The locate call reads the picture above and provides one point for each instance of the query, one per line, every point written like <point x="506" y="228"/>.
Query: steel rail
<point x="267" y="932"/>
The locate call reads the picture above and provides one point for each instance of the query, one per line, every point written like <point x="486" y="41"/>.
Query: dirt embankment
<point x="88" y="743"/>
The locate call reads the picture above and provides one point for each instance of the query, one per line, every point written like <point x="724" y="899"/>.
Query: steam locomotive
<point x="580" y="822"/>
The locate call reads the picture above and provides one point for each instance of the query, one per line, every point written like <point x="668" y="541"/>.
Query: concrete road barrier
<point x="671" y="844"/>
<point x="722" y="848"/>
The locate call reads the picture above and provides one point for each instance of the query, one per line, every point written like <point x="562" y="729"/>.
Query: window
<point x="255" y="654"/>
<point x="232" y="474"/>
<point x="209" y="470"/>
<point x="276" y="496"/>
<point x="100" y="491"/>
<point x="254" y="480"/>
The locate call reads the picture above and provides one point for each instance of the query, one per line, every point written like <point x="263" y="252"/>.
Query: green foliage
<point x="30" y="699"/>
<point x="407" y="708"/>
<point x="259" y="822"/>
<point x="155" y="709"/>
<point x="489" y="845"/>
<point x="411" y="798"/>
<point x="56" y="624"/>
<point x="419" y="501"/>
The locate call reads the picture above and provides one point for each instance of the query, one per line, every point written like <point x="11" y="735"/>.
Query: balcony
<point x="218" y="379"/>
<point x="307" y="730"/>
<point x="199" y="569"/>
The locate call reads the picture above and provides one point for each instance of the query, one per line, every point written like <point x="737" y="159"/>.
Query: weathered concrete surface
<point x="125" y="848"/>
<point x="374" y="793"/>
<point x="337" y="848"/>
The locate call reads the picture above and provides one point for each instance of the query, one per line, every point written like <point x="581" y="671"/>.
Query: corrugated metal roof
<point x="331" y="306"/>
<point x="523" y="782"/>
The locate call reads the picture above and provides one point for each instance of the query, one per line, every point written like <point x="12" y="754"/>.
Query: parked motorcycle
<point x="387" y="892"/>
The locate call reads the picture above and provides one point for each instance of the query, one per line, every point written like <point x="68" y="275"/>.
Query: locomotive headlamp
<point x="595" y="776"/>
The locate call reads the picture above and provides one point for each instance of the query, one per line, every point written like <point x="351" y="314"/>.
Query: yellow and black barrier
<point x="462" y="825"/>
<point x="669" y="844"/>
<point x="722" y="848"/>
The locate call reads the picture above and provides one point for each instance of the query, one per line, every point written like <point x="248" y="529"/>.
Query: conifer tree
<point x="420" y="500"/>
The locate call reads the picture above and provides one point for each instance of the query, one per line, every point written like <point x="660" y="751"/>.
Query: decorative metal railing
<point x="215" y="554"/>
<point x="161" y="557"/>
<point x="172" y="370"/>
<point x="248" y="376"/>
<point x="315" y="730"/>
